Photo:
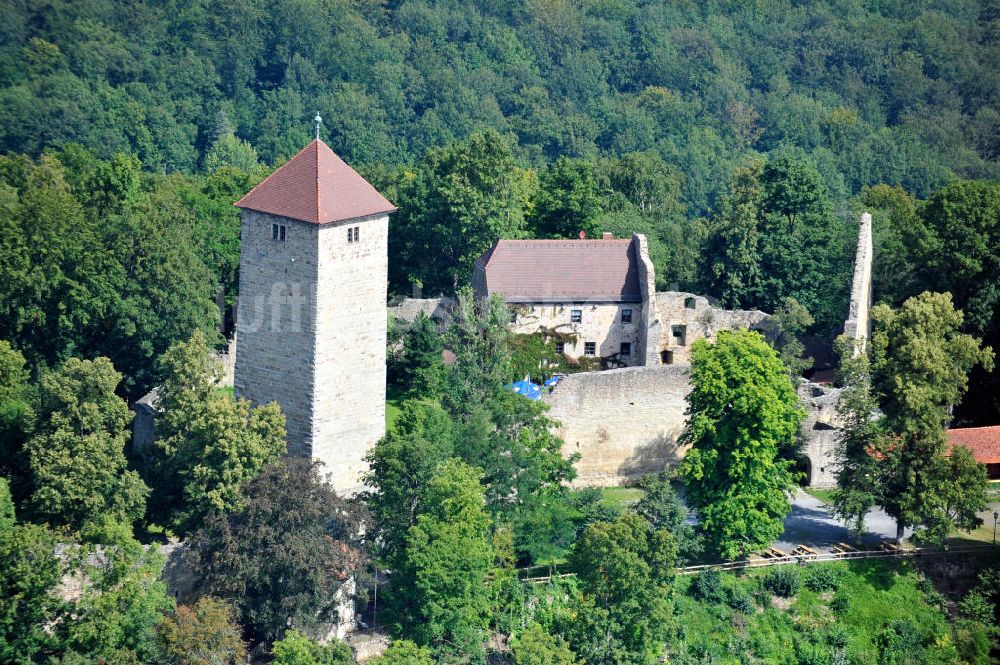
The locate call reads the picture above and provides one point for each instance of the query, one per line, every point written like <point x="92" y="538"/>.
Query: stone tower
<point x="311" y="319"/>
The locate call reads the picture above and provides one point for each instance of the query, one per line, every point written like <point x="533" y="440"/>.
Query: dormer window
<point x="278" y="232"/>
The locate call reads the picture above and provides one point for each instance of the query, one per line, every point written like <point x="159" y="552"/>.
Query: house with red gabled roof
<point x="983" y="443"/>
<point x="311" y="319"/>
<point x="597" y="298"/>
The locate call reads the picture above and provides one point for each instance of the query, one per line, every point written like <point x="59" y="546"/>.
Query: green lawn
<point x="815" y="627"/>
<point x="620" y="497"/>
<point x="393" y="398"/>
<point x="824" y="495"/>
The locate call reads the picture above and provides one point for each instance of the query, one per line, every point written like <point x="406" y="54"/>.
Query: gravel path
<point x="810" y="523"/>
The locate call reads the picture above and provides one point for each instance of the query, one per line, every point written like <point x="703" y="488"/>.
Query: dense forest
<point x="743" y="137"/>
<point x="878" y="92"/>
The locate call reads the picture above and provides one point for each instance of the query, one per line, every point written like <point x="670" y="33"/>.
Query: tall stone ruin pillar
<point x="858" y="324"/>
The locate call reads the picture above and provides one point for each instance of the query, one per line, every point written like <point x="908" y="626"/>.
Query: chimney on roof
<point x="607" y="236"/>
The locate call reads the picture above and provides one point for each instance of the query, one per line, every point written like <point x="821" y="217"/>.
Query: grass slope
<point x="873" y="601"/>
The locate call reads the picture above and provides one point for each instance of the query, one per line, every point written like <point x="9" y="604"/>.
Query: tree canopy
<point x="743" y="417"/>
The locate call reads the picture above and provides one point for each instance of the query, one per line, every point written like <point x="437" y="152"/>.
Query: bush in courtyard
<point x="821" y="579"/>
<point x="707" y="586"/>
<point x="782" y="581"/>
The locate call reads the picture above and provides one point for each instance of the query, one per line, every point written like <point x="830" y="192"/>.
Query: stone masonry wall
<point x="312" y="335"/>
<point x="623" y="422"/>
<point x="650" y="327"/>
<point x="857" y="325"/>
<point x="600" y="323"/>
<point x="820" y="429"/>
<point x="275" y="321"/>
<point x="349" y="401"/>
<point x="684" y="318"/>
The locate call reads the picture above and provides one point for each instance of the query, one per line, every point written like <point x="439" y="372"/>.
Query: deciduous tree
<point x="440" y="588"/>
<point x="29" y="573"/>
<point x="77" y="454"/>
<point x="743" y="413"/>
<point x="209" y="444"/>
<point x="297" y="649"/>
<point x="282" y="557"/>
<point x="625" y="570"/>
<point x="205" y="633"/>
<point x="461" y="199"/>
<point x="123" y="599"/>
<point x="404" y="652"/>
<point x="535" y="646"/>
<point x="400" y="466"/>
<point x="920" y="366"/>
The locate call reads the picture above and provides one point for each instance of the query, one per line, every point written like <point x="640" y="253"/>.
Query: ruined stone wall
<point x="858" y="325"/>
<point x="650" y="328"/>
<point x="684" y="318"/>
<point x="438" y="309"/>
<point x="600" y="323"/>
<point x="623" y="422"/>
<point x="227" y="359"/>
<point x="820" y="429"/>
<point x="349" y="399"/>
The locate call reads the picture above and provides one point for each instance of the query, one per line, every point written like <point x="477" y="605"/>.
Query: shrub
<point x="822" y="578"/>
<point x="899" y="638"/>
<point x="782" y="581"/>
<point x="840" y="604"/>
<point x="810" y="653"/>
<point x="837" y="637"/>
<point x="707" y="586"/>
<point x="741" y="601"/>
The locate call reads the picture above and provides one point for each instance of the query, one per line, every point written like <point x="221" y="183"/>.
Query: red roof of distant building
<point x="982" y="442"/>
<point x="537" y="271"/>
<point x="316" y="186"/>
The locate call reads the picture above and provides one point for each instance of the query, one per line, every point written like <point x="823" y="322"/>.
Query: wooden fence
<point x="805" y="559"/>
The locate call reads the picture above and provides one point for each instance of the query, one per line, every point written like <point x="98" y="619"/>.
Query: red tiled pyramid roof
<point x="560" y="271"/>
<point x="982" y="442"/>
<point x="316" y="186"/>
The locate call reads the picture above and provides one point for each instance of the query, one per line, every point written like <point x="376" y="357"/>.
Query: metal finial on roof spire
<point x="318" y="120"/>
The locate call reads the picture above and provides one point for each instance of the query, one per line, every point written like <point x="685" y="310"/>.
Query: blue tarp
<point x="527" y="388"/>
<point x="552" y="380"/>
